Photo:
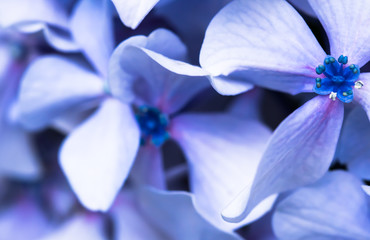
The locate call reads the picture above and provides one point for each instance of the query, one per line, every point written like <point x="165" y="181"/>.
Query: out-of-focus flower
<point x="223" y="150"/>
<point x="335" y="207"/>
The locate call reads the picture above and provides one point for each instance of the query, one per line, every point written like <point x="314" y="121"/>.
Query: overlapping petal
<point x="353" y="146"/>
<point x="91" y="27"/>
<point x="223" y="152"/>
<point x="97" y="156"/>
<point x="132" y="12"/>
<point x="345" y="23"/>
<point x="362" y="95"/>
<point x="335" y="207"/>
<point x="174" y="214"/>
<point x="47" y="91"/>
<point x="266" y="43"/>
<point x="299" y="152"/>
<point x="134" y="69"/>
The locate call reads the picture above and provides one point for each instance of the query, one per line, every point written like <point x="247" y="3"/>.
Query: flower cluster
<point x="184" y="119"/>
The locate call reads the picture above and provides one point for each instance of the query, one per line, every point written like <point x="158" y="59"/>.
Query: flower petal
<point x="79" y="227"/>
<point x="247" y="40"/>
<point x="148" y="167"/>
<point x="304" y="6"/>
<point x="96" y="158"/>
<point x="165" y="210"/>
<point x="353" y="147"/>
<point x="132" y="12"/>
<point x="223" y="153"/>
<point x="47" y="91"/>
<point x="91" y="27"/>
<point x="335" y="207"/>
<point x="134" y="69"/>
<point x="345" y="23"/>
<point x="363" y="95"/>
<point x="299" y="152"/>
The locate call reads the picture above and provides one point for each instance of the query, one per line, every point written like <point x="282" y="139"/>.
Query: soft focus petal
<point x="98" y="155"/>
<point x="363" y="95"/>
<point x="173" y="213"/>
<point x="79" y="227"/>
<point x="131" y="224"/>
<point x="335" y="207"/>
<point x="299" y="152"/>
<point x="247" y="105"/>
<point x="26" y="216"/>
<point x="223" y="153"/>
<point x="249" y="39"/>
<point x="18" y="12"/>
<point x="134" y="67"/>
<point x="47" y="91"/>
<point x="132" y="12"/>
<point x="354" y="145"/>
<point x="18" y="156"/>
<point x="148" y="167"/>
<point x="91" y="27"/>
<point x="345" y="23"/>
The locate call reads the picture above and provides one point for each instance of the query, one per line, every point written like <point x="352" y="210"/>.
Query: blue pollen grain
<point x="337" y="80"/>
<point x="153" y="125"/>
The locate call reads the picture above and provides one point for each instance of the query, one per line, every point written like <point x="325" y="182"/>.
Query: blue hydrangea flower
<point x="141" y="105"/>
<point x="267" y="43"/>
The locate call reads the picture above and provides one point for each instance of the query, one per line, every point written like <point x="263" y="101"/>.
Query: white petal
<point x="96" y="158"/>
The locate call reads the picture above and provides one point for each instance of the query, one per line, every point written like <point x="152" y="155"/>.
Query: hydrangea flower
<point x="142" y="104"/>
<point x="335" y="207"/>
<point x="269" y="44"/>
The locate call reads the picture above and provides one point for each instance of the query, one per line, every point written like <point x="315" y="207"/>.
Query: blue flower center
<point x="337" y="79"/>
<point x="153" y="125"/>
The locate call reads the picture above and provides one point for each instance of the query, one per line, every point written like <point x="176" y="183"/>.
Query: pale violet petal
<point x="97" y="156"/>
<point x="148" y="167"/>
<point x="134" y="68"/>
<point x="79" y="227"/>
<point x="304" y="6"/>
<point x="247" y="40"/>
<point x="223" y="152"/>
<point x="92" y="28"/>
<point x="335" y="207"/>
<point x="47" y="91"/>
<point x="132" y="12"/>
<point x="299" y="152"/>
<point x="362" y="95"/>
<point x="353" y="147"/>
<point x="345" y="23"/>
<point x="173" y="213"/>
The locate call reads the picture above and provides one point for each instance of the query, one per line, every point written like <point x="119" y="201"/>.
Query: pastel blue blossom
<point x="141" y="104"/>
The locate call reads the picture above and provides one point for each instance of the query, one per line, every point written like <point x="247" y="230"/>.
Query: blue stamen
<point x="153" y="125"/>
<point x="339" y="80"/>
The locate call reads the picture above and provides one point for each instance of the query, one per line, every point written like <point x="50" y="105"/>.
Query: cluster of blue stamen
<point x="153" y="125"/>
<point x="337" y="80"/>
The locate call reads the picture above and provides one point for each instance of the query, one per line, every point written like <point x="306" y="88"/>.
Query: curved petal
<point x="354" y="146"/>
<point x="91" y="27"/>
<point x="223" y="152"/>
<point x="249" y="39"/>
<point x="304" y="6"/>
<point x="362" y="95"/>
<point x="46" y="91"/>
<point x="335" y="207"/>
<point x="174" y="214"/>
<point x="148" y="167"/>
<point x="133" y="69"/>
<point x="17" y="12"/>
<point x="299" y="152"/>
<point x="79" y="227"/>
<point x="345" y="23"/>
<point x="132" y="12"/>
<point x="96" y="158"/>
